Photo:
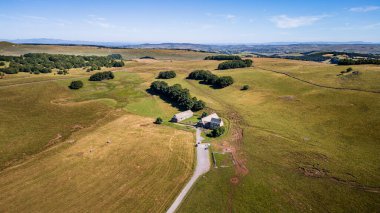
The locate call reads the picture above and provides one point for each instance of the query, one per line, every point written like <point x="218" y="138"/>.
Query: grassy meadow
<point x="294" y="147"/>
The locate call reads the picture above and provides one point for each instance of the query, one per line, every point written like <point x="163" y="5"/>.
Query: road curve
<point x="203" y="166"/>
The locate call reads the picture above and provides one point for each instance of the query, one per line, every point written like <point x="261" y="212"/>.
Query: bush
<point x="204" y="114"/>
<point x="235" y="64"/>
<point x="60" y="72"/>
<point x="218" y="131"/>
<point x="245" y="87"/>
<point x="2" y="63"/>
<point x="118" y="64"/>
<point x="159" y="120"/>
<point x="76" y="85"/>
<point x="223" y="57"/>
<point x="101" y="76"/>
<point x="349" y="69"/>
<point x="166" y="75"/>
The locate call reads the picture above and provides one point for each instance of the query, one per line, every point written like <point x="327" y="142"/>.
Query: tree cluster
<point x="218" y="131"/>
<point x="358" y="62"/>
<point x="223" y="57"/>
<point x="44" y="63"/>
<point x="235" y="64"/>
<point x="76" y="85"/>
<point x="178" y="95"/>
<point x="166" y="75"/>
<point x="102" y="76"/>
<point x="207" y="77"/>
<point x="147" y="57"/>
<point x="116" y="56"/>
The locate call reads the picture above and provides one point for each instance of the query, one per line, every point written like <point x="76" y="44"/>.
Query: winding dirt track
<point x="319" y="85"/>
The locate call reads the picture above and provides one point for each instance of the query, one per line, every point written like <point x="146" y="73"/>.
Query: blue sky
<point x="194" y="21"/>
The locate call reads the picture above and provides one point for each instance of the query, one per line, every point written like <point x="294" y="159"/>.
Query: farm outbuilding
<point x="211" y="122"/>
<point x="182" y="116"/>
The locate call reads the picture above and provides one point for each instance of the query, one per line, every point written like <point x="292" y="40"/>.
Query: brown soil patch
<point x="313" y="171"/>
<point x="288" y="98"/>
<point x="54" y="140"/>
<point x="234" y="180"/>
<point x="76" y="127"/>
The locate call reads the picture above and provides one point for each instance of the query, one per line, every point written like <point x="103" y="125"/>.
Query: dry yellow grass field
<point x="141" y="168"/>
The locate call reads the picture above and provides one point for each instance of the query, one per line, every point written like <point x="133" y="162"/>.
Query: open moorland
<point x="301" y="138"/>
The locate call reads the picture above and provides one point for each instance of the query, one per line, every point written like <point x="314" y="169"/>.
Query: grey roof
<point x="186" y="113"/>
<point x="216" y="120"/>
<point x="208" y="118"/>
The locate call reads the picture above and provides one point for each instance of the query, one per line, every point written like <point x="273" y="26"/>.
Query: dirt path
<point x="319" y="85"/>
<point x="203" y="166"/>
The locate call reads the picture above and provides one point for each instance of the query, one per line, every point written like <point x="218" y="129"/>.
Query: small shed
<point x="211" y="121"/>
<point x="182" y="116"/>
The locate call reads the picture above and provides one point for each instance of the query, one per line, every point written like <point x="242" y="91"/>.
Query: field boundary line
<point x="319" y="85"/>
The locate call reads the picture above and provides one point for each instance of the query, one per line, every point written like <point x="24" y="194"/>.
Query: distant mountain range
<point x="262" y="48"/>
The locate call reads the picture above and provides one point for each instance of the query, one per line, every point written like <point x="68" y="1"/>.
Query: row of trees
<point x="358" y="62"/>
<point x="223" y="57"/>
<point x="44" y="63"/>
<point x="207" y="77"/>
<point x="180" y="96"/>
<point x="235" y="64"/>
<point x="101" y="76"/>
<point x="166" y="75"/>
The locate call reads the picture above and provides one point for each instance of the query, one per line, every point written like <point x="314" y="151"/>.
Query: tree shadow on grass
<point x="166" y="99"/>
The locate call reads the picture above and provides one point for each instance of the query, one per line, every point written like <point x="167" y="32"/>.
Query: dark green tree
<point x="76" y="85"/>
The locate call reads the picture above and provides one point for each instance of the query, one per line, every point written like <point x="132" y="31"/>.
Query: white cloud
<point x="284" y="21"/>
<point x="364" y="9"/>
<point x="229" y="17"/>
<point x="99" y="22"/>
<point x="372" y="26"/>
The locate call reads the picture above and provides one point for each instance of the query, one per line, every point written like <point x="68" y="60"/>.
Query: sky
<point x="196" y="21"/>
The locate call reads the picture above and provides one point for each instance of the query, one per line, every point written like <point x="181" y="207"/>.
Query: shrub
<point x="223" y="57"/>
<point x="102" y="76"/>
<point x="60" y="72"/>
<point x="166" y="75"/>
<point x="245" y="87"/>
<point x="204" y="114"/>
<point x="118" y="64"/>
<point x="218" y="131"/>
<point x="76" y="85"/>
<point x="159" y="120"/>
<point x="2" y="63"/>
<point x="349" y="69"/>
